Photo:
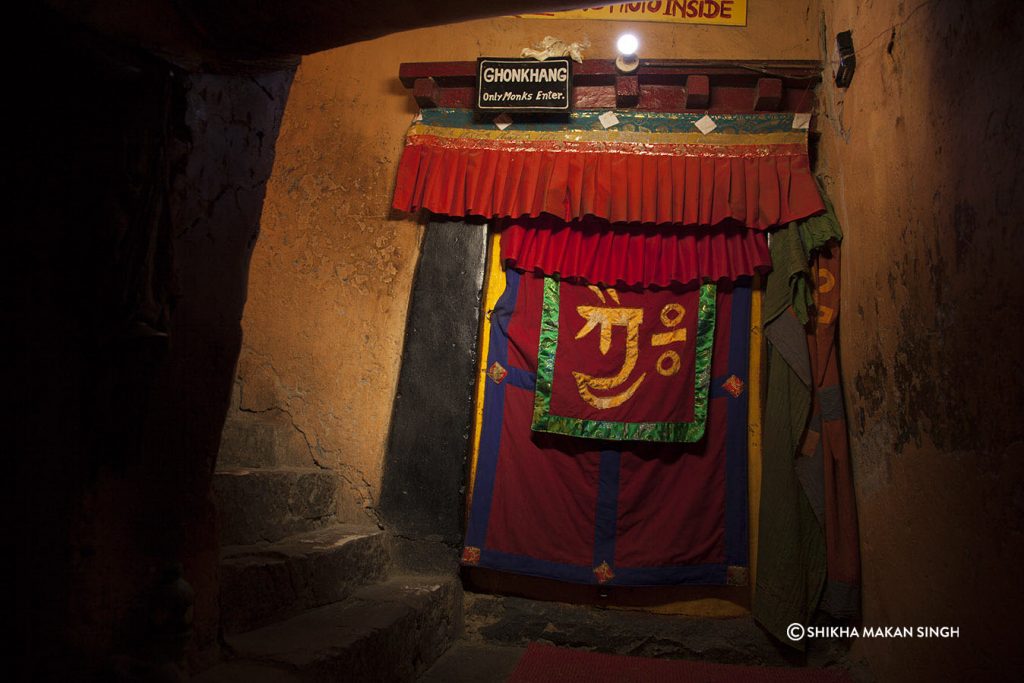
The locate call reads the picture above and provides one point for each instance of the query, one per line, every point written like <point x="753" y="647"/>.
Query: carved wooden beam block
<point x="627" y="91"/>
<point x="425" y="91"/>
<point x="768" y="94"/>
<point x="698" y="92"/>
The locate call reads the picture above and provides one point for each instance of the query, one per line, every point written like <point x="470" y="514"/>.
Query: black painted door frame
<point x="424" y="474"/>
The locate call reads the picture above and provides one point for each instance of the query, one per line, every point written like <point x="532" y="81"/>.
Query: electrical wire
<point x="728" y="65"/>
<point x="862" y="51"/>
<point x="891" y="31"/>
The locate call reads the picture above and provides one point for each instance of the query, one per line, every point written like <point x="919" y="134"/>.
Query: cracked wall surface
<point x="923" y="157"/>
<point x="332" y="271"/>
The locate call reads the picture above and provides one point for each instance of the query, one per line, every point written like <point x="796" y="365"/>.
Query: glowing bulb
<point x="627" y="44"/>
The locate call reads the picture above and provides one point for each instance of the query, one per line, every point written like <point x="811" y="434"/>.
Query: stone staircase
<point x="304" y="597"/>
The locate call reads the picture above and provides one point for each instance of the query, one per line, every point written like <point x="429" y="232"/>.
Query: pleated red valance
<point x="597" y="252"/>
<point x="750" y="170"/>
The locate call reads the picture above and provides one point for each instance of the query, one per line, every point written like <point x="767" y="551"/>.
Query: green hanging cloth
<point x="791" y="548"/>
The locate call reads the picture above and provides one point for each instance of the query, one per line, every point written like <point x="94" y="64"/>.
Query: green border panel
<point x="673" y="432"/>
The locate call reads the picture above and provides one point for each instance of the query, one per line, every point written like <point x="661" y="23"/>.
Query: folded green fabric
<point x="791" y="564"/>
<point x="790" y="282"/>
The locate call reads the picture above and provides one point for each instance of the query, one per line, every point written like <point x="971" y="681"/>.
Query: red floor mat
<point x="544" y="663"/>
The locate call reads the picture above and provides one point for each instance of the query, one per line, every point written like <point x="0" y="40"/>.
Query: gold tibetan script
<point x="608" y="317"/>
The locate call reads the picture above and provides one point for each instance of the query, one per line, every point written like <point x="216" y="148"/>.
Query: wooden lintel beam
<point x="698" y="92"/>
<point x="795" y="74"/>
<point x="657" y="85"/>
<point x="446" y="73"/>
<point x="425" y="92"/>
<point x="627" y="91"/>
<point x="768" y="94"/>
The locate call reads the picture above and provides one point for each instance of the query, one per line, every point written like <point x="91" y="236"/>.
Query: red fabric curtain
<point x="598" y="252"/>
<point x="756" y="190"/>
<point x="652" y="200"/>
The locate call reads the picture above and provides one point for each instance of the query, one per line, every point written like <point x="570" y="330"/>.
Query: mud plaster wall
<point x="332" y="271"/>
<point x="923" y="157"/>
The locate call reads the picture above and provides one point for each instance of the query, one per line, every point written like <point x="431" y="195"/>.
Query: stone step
<point x="512" y="621"/>
<point x="267" y="505"/>
<point x="268" y="581"/>
<point x="388" y="632"/>
<point x="264" y="442"/>
<point x="516" y="622"/>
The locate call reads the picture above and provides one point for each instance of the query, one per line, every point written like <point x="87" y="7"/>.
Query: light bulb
<point x="627" y="44"/>
<point x="627" y="62"/>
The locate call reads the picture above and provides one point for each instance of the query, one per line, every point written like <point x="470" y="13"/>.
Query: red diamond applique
<point x="734" y="385"/>
<point x="604" y="573"/>
<point x="736" y="576"/>
<point x="496" y="372"/>
<point x="470" y="555"/>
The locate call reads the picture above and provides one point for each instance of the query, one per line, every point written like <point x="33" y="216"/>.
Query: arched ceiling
<point x="202" y="30"/>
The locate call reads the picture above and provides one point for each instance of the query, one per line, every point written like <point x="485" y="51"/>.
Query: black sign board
<point x="524" y="84"/>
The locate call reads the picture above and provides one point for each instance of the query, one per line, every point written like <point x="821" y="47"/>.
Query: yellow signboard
<point x="720" y="12"/>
